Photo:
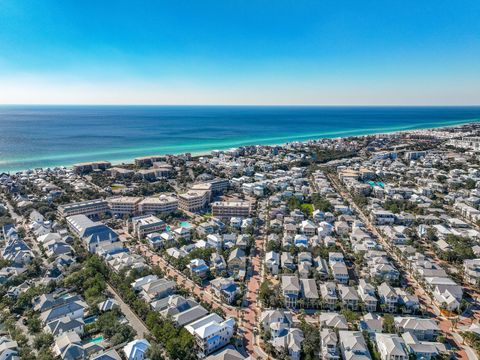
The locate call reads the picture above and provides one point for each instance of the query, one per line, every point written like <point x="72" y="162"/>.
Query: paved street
<point x="132" y="318"/>
<point x="426" y="301"/>
<point x="247" y="316"/>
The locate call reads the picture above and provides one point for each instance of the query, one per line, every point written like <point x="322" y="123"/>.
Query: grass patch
<point x="308" y="208"/>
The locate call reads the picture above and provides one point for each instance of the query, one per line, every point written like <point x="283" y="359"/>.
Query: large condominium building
<point x="466" y="143"/>
<point x="148" y="160"/>
<point x="203" y="187"/>
<point x="229" y="209"/>
<point x="146" y="224"/>
<point x="193" y="200"/>
<point x="124" y="205"/>
<point x="160" y="204"/>
<point x="83" y="168"/>
<point x="219" y="185"/>
<point x="88" y="208"/>
<point x="162" y="169"/>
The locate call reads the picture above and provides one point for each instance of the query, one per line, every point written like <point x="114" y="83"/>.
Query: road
<point x="29" y="236"/>
<point x="133" y="320"/>
<point x="247" y="316"/>
<point x="18" y="219"/>
<point x="426" y="300"/>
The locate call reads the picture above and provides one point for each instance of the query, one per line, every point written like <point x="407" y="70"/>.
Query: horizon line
<point x="246" y="105"/>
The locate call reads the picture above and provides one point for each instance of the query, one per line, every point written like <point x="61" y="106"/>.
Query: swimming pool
<point x="97" y="339"/>
<point x="90" y="319"/>
<point x="378" y="183"/>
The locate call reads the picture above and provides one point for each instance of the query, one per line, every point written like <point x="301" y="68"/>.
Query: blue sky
<point x="240" y="52"/>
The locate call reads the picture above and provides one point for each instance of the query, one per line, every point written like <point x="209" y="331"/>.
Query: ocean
<point x="47" y="136"/>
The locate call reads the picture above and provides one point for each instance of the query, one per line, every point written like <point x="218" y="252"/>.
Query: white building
<point x="146" y="224"/>
<point x="193" y="200"/>
<point x="211" y="332"/>
<point x="158" y="205"/>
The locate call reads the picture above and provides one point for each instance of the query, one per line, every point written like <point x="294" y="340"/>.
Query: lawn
<point x="116" y="187"/>
<point x="308" y="208"/>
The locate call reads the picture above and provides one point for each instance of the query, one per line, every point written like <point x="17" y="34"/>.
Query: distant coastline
<point x="208" y="152"/>
<point x="61" y="136"/>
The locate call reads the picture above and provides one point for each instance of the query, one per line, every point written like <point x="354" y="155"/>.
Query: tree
<point x="432" y="234"/>
<point x="33" y="323"/>
<point x="311" y="340"/>
<point x="388" y="324"/>
<point x="266" y="293"/>
<point x="360" y="200"/>
<point x="470" y="184"/>
<point x="155" y="352"/>
<point x="273" y="246"/>
<point x="321" y="203"/>
<point x="351" y="316"/>
<point x="43" y="341"/>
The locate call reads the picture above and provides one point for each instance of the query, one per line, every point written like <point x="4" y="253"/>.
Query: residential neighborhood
<point x="363" y="247"/>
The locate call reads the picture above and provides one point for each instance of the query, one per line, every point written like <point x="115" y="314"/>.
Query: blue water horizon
<point x="34" y="136"/>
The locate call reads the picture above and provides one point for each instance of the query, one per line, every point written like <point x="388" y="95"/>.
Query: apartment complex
<point x="146" y="224"/>
<point x="148" y="160"/>
<point x="229" y="209"/>
<point x="193" y="200"/>
<point x="87" y="208"/>
<point x="83" y="168"/>
<point x="124" y="205"/>
<point x="155" y="205"/>
<point x="219" y="185"/>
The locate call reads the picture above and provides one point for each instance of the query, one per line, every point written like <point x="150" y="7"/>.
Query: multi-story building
<point x="146" y="224"/>
<point x="291" y="290"/>
<point x="87" y="208"/>
<point x="83" y="168"/>
<point x="337" y="265"/>
<point x="96" y="236"/>
<point x="219" y="185"/>
<point x="388" y="297"/>
<point x="328" y="291"/>
<point x="124" y="205"/>
<point x="367" y="293"/>
<point x="353" y="345"/>
<point x="193" y="200"/>
<point x="472" y="271"/>
<point x="348" y="296"/>
<point x="211" y="333"/>
<point x="423" y="329"/>
<point x="229" y="209"/>
<point x="414" y="155"/>
<point x="148" y="160"/>
<point x="328" y="344"/>
<point x="156" y="205"/>
<point x="391" y="347"/>
<point x="163" y="170"/>
<point x="382" y="217"/>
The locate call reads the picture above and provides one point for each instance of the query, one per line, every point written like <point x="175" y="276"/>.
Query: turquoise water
<point x="373" y="183"/>
<point x="97" y="339"/>
<point x="185" y="224"/>
<point x="45" y="136"/>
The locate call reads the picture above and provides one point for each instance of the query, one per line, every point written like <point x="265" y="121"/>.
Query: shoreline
<point x="304" y="138"/>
